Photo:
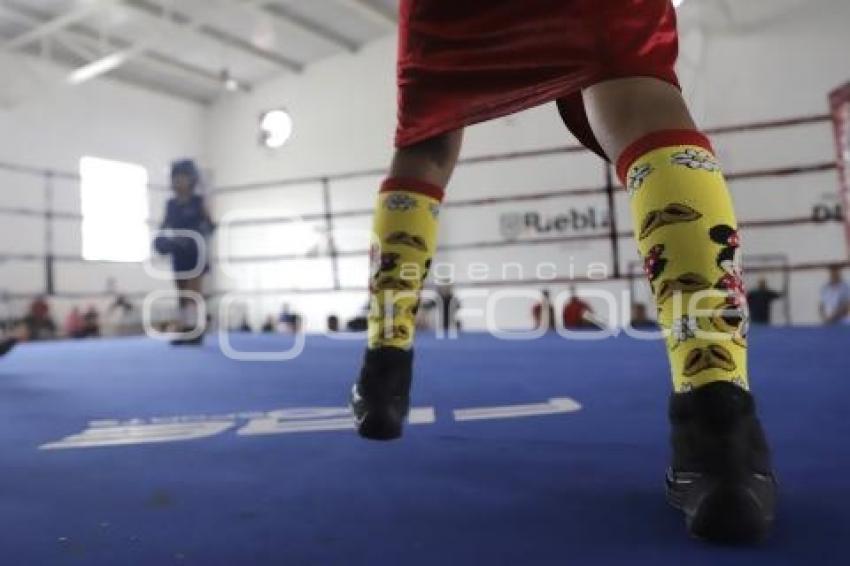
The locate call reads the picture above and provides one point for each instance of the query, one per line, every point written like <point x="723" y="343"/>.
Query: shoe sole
<point x="375" y="425"/>
<point x="727" y="514"/>
<point x="380" y="429"/>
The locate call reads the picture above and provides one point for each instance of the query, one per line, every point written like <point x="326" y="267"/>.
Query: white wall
<point x="769" y="59"/>
<point x="46" y="124"/>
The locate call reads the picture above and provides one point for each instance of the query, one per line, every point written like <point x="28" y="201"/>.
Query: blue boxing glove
<point x="163" y="245"/>
<point x="183" y="245"/>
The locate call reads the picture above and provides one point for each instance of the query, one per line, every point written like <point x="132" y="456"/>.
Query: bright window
<point x="114" y="197"/>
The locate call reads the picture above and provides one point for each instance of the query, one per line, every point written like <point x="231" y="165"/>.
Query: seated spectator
<point x="120" y="304"/>
<point x="835" y="299"/>
<point x="360" y="322"/>
<point x="289" y="320"/>
<point x="121" y="318"/>
<point x="576" y="311"/>
<point x="268" y="325"/>
<point x="640" y="319"/>
<point x="543" y="313"/>
<point x="38" y="325"/>
<point x="74" y="327"/>
<point x="760" y="300"/>
<point x="91" y="323"/>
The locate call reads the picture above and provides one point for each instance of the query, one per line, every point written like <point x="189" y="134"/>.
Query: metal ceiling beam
<point x="69" y="61"/>
<point x="69" y="42"/>
<point x="277" y="11"/>
<point x="171" y="17"/>
<point x="251" y="49"/>
<point x="91" y="38"/>
<point x="315" y="29"/>
<point x="134" y="50"/>
<point x="371" y="12"/>
<point x="54" y="25"/>
<point x="192" y="94"/>
<point x="61" y="37"/>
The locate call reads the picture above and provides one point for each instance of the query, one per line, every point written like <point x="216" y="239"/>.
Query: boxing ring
<point x="125" y="451"/>
<point x="540" y="452"/>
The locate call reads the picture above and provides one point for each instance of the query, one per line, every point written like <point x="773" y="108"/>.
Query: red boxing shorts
<point x="466" y="61"/>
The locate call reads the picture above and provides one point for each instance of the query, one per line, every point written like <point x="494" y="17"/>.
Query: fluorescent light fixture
<point x="677" y="3"/>
<point x="275" y="128"/>
<point x="97" y="68"/>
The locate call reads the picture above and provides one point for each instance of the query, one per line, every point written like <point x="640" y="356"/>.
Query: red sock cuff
<point x="412" y="186"/>
<point x="656" y="140"/>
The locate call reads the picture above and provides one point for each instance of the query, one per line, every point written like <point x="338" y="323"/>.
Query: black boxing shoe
<point x="380" y="400"/>
<point x="721" y="476"/>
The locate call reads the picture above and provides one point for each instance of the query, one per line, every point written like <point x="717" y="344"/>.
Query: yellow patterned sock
<point x="404" y="241"/>
<point x="687" y="236"/>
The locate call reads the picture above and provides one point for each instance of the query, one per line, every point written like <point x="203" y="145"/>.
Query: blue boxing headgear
<point x="186" y="167"/>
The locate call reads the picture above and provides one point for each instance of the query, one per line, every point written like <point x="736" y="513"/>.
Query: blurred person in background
<point x="121" y="318"/>
<point x="445" y="306"/>
<point x="74" y="323"/>
<point x="760" y="300"/>
<point x="360" y="321"/>
<point x="576" y="311"/>
<point x="449" y="307"/>
<point x="187" y="212"/>
<point x="91" y="322"/>
<point x="38" y="324"/>
<point x="835" y="298"/>
<point x="120" y="304"/>
<point x="543" y="313"/>
<point x="640" y="319"/>
<point x="289" y="320"/>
